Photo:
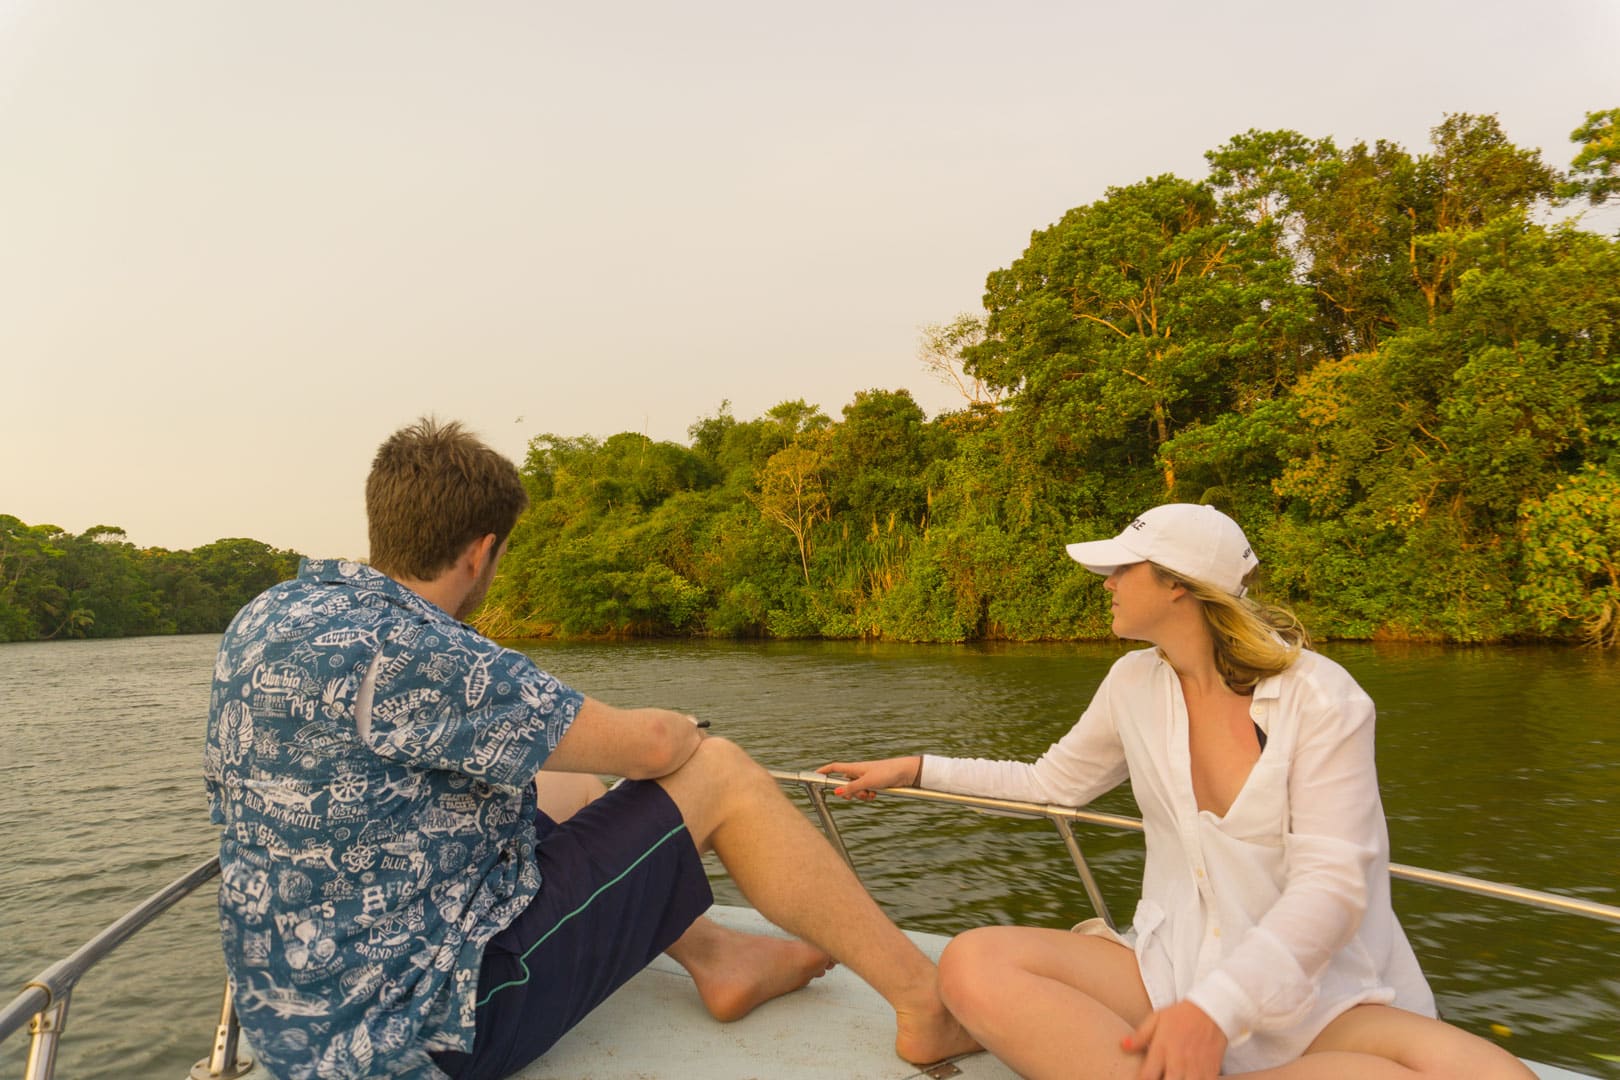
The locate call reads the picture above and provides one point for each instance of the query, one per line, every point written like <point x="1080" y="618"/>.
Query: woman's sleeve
<point x="1336" y="838"/>
<point x="1086" y="762"/>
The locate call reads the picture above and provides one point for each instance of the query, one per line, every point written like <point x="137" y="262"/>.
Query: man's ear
<point x="483" y="551"/>
<point x="476" y="555"/>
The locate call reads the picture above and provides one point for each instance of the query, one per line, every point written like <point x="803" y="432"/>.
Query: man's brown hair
<point x="434" y="488"/>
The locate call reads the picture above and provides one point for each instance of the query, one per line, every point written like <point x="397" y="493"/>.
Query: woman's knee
<point x="1430" y="1048"/>
<point x="1474" y="1058"/>
<point x="967" y="971"/>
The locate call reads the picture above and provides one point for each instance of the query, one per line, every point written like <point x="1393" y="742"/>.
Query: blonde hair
<point x="1252" y="640"/>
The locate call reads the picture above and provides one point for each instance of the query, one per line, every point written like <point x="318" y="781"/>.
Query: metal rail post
<point x="1093" y="891"/>
<point x="46" y="1029"/>
<point x="224" y="1063"/>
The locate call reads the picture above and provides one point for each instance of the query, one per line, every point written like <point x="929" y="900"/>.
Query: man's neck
<point x="459" y="587"/>
<point x="443" y="591"/>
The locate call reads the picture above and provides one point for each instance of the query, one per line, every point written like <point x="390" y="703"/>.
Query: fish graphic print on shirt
<point x="363" y="871"/>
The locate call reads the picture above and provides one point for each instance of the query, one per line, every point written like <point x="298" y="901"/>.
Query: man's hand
<point x="1178" y="1043"/>
<point x="865" y="776"/>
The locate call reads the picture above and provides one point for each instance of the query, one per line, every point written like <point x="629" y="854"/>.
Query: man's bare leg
<point x="786" y="868"/>
<point x="734" y="972"/>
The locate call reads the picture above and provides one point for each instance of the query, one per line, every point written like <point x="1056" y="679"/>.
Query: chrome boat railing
<point x="1063" y="818"/>
<point x="43" y="1002"/>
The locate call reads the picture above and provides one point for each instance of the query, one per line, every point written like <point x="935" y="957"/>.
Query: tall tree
<point x="1474" y="176"/>
<point x="943" y="353"/>
<point x="1133" y="317"/>
<point x="792" y="494"/>
<point x="1595" y="172"/>
<point x="878" y="455"/>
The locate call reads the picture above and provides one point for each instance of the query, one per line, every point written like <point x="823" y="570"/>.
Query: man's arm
<point x="641" y="744"/>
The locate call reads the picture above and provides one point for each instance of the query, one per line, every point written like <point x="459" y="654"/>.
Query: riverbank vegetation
<point x="1400" y="371"/>
<point x="97" y="584"/>
<point x="1396" y="369"/>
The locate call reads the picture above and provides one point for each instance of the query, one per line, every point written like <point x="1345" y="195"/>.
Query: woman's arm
<point x="1086" y="762"/>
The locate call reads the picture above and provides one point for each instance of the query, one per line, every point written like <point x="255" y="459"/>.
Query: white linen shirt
<point x="1274" y="918"/>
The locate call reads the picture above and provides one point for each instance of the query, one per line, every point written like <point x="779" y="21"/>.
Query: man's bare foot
<point x="926" y="1036"/>
<point x="736" y="972"/>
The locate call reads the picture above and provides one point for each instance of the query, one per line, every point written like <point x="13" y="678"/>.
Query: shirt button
<point x="1199" y="873"/>
<point x="1216" y="931"/>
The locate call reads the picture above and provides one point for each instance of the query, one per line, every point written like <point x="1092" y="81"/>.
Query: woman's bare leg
<point x="1049" y="1003"/>
<point x="1381" y="1042"/>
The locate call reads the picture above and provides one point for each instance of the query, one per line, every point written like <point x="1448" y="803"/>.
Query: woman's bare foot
<point x="737" y="972"/>
<point x="930" y="1034"/>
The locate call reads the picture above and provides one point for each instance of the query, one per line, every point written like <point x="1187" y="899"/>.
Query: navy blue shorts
<point x="620" y="881"/>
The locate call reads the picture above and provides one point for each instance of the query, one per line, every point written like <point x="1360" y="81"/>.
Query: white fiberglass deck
<point x="655" y="1028"/>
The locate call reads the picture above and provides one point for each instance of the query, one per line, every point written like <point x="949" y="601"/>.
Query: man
<point x="398" y="894"/>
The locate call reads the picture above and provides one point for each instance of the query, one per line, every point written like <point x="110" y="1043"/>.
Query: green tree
<point x="1595" y="172"/>
<point x="1572" y="545"/>
<point x="29" y="595"/>
<point x="1134" y="317"/>
<point x="1474" y="176"/>
<point x="1377" y="359"/>
<point x="877" y="457"/>
<point x="106" y="592"/>
<point x="1339" y="216"/>
<point x="98" y="584"/>
<point x="792" y="494"/>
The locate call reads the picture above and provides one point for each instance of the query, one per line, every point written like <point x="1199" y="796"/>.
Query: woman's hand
<point x="1178" y="1043"/>
<point x="865" y="776"/>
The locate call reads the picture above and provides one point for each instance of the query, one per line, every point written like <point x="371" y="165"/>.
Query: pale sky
<point x="242" y="242"/>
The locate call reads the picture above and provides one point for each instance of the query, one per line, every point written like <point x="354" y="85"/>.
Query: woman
<point x="1264" y="942"/>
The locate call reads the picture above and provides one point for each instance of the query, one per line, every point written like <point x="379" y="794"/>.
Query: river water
<point x="1502" y="763"/>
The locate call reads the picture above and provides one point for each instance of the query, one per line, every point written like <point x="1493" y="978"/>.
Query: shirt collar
<point x="1268" y="688"/>
<point x="356" y="575"/>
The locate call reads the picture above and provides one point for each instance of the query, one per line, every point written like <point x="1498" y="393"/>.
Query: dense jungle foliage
<point x="1396" y="370"/>
<point x="1392" y="368"/>
<point x="57" y="585"/>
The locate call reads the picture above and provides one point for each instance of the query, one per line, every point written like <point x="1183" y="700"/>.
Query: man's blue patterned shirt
<point x="365" y="866"/>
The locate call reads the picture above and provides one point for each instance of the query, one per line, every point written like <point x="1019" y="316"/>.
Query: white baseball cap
<point x="1197" y="542"/>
